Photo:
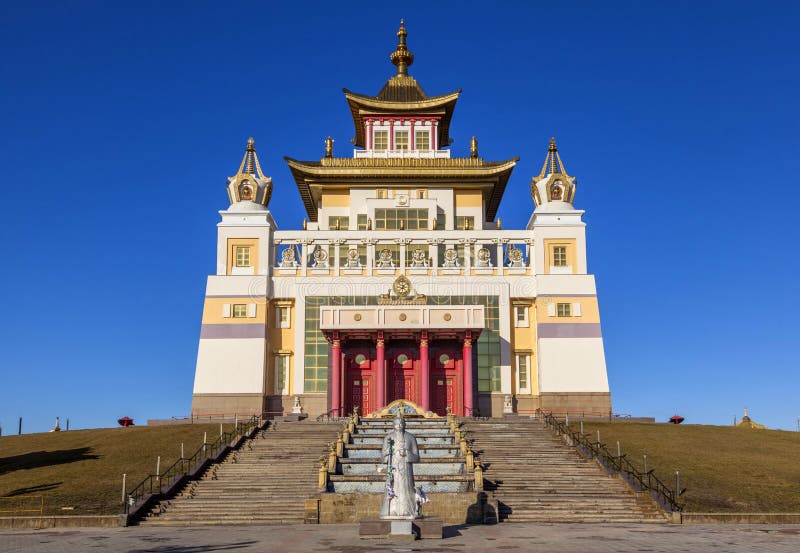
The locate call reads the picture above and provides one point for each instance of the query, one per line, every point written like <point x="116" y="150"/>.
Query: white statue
<point x="400" y="452"/>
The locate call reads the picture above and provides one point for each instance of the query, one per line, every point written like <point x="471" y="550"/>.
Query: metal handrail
<point x="155" y="483"/>
<point x="641" y="481"/>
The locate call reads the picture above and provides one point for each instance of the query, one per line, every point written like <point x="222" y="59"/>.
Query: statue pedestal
<point x="401" y="528"/>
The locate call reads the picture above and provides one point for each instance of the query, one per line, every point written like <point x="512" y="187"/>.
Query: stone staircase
<point x="535" y="477"/>
<point x="265" y="482"/>
<point x="440" y="469"/>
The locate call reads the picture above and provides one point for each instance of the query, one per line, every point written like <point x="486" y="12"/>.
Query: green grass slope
<point x="83" y="468"/>
<point x="725" y="469"/>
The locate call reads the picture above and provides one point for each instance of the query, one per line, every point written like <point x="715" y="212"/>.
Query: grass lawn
<point x="83" y="468"/>
<point x="725" y="469"/>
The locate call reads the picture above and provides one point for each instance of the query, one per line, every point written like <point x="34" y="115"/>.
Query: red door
<point x="358" y="379"/>
<point x="403" y="369"/>
<point x="446" y="382"/>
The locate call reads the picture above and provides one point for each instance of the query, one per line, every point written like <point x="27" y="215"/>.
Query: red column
<point x="467" y="360"/>
<point x="336" y="375"/>
<point x="424" y="372"/>
<point x="380" y="374"/>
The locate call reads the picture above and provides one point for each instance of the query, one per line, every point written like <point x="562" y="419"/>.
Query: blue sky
<point x="121" y="121"/>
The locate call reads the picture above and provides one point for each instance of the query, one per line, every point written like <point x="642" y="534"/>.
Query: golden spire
<point x="250" y="162"/>
<point x="329" y="146"/>
<point x="552" y="161"/>
<point x="402" y="57"/>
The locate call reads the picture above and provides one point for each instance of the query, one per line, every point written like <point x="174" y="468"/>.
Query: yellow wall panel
<point x="590" y="311"/>
<point x="550" y="243"/>
<point x="336" y="198"/>
<point x="468" y="198"/>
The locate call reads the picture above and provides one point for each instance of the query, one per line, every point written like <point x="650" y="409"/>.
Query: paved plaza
<point x="556" y="538"/>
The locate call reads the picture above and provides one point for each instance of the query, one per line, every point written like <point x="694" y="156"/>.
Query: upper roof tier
<point x="401" y="95"/>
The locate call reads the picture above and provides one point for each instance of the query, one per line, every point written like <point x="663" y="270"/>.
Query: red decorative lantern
<point x="125" y="422"/>
<point x="676" y="419"/>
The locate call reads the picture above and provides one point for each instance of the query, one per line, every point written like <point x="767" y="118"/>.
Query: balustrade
<point x="439" y="253"/>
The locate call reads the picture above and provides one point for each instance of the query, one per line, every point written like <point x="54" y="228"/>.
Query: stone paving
<point x="528" y="537"/>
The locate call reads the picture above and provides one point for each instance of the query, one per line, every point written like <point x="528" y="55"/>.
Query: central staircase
<point x="529" y="475"/>
<point x="264" y="482"/>
<point x="535" y="477"/>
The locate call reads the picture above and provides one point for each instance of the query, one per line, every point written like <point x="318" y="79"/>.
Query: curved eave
<point x="460" y="170"/>
<point x="360" y="104"/>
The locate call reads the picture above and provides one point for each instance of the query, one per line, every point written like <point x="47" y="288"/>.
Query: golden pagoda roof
<point x="490" y="176"/>
<point x="401" y="94"/>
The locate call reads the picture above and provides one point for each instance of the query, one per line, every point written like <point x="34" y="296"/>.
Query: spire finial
<point x="473" y="147"/>
<point x="402" y="57"/>
<point x="250" y="164"/>
<point x="329" y="146"/>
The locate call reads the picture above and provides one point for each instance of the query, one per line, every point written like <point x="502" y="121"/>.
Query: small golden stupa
<point x="747" y="422"/>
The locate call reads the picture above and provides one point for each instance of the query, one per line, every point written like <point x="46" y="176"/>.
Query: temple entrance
<point x="446" y="381"/>
<point x="403" y="374"/>
<point x="358" y="380"/>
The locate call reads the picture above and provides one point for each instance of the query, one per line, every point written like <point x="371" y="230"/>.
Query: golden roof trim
<point x="428" y="103"/>
<point x="450" y="168"/>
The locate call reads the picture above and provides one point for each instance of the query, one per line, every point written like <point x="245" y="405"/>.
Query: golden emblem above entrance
<point x="402" y="286"/>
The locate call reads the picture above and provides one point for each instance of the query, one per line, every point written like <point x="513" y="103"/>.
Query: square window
<point x="239" y="310"/>
<point x="564" y="309"/>
<point x="381" y="140"/>
<point x="401" y="140"/>
<point x="422" y="140"/>
<point x="242" y="256"/>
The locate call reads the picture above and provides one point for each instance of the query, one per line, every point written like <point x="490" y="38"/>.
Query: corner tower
<point x="231" y="376"/>
<point x="571" y="358"/>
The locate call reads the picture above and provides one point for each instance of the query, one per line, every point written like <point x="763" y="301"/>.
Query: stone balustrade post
<point x="332" y="460"/>
<point x="322" y="483"/>
<point x="478" y="477"/>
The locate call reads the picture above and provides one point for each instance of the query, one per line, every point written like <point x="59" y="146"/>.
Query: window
<point x="401" y="140"/>
<point x="242" y="254"/>
<point x="559" y="256"/>
<point x="465" y="222"/>
<point x="521" y="315"/>
<point x="282" y="316"/>
<point x="422" y="194"/>
<point x="361" y="221"/>
<point x="422" y="140"/>
<point x="564" y="310"/>
<point x="239" y="310"/>
<point x="282" y="375"/>
<point x="523" y="373"/>
<point x="441" y="221"/>
<point x="381" y="140"/>
<point x="339" y="222"/>
<point x="390" y="219"/>
<point x="381" y="193"/>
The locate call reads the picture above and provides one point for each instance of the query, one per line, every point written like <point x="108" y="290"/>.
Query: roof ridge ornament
<point x="402" y="56"/>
